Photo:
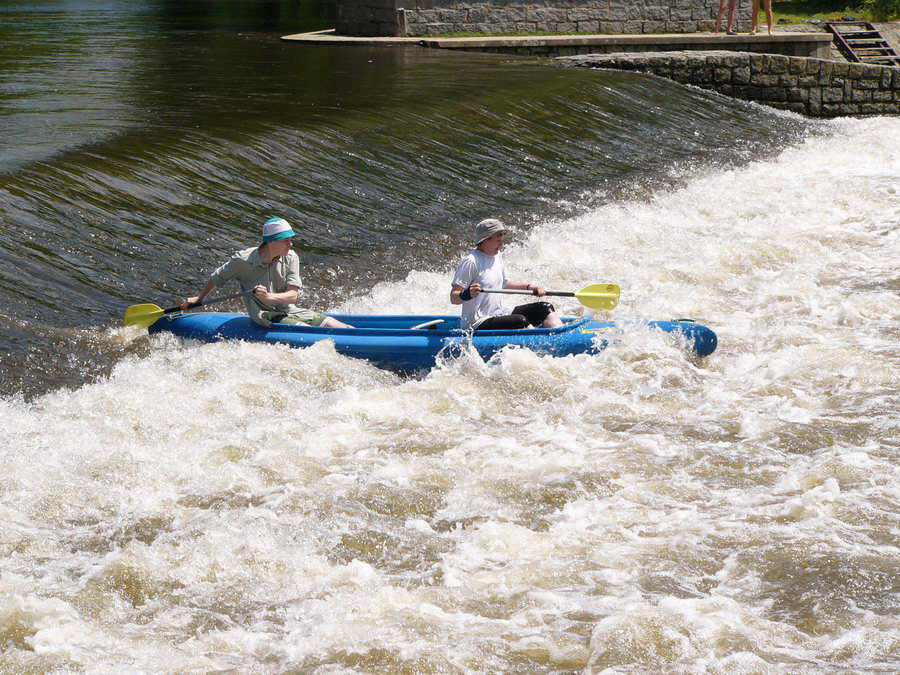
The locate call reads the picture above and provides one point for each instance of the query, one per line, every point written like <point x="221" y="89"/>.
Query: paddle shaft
<point x="208" y="302"/>
<point x="565" y="294"/>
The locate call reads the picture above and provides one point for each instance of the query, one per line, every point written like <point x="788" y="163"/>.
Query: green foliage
<point x="796" y="11"/>
<point x="882" y="9"/>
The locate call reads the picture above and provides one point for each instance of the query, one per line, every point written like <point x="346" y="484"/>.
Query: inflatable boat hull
<point x="390" y="341"/>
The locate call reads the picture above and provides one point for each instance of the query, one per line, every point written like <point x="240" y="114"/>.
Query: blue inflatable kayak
<point x="393" y="341"/>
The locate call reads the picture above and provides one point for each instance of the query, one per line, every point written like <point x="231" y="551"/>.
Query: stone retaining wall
<point x="369" y="18"/>
<point x="813" y="87"/>
<point x="435" y="17"/>
<point x="816" y="45"/>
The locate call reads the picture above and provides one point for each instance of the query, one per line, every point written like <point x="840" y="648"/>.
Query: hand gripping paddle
<point x="147" y="314"/>
<point x="595" y="296"/>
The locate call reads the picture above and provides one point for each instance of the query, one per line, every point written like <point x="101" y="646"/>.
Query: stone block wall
<point x="439" y="17"/>
<point x="813" y="87"/>
<point x="369" y="18"/>
<point x="817" y="45"/>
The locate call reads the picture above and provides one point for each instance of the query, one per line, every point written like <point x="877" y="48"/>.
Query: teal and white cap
<point x="276" y="228"/>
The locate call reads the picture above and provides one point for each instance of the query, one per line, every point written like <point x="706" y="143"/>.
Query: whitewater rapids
<point x="259" y="508"/>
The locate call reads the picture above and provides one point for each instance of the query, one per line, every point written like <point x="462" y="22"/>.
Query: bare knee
<point x="552" y="321"/>
<point x="331" y="322"/>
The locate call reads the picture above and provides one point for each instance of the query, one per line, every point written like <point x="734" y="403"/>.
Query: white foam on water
<point x="251" y="506"/>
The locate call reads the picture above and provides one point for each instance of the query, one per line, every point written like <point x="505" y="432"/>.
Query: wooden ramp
<point x="860" y="42"/>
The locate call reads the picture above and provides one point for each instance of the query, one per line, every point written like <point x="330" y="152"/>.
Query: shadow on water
<point x="152" y="138"/>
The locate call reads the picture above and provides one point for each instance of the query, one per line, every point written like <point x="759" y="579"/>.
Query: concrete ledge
<point x="661" y="39"/>
<point x="794" y="44"/>
<point x="330" y="37"/>
<point x="813" y="87"/>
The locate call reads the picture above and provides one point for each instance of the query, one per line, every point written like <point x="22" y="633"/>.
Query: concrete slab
<point x="330" y="37"/>
<point x="696" y="40"/>
<point x="711" y="40"/>
<point x="891" y="33"/>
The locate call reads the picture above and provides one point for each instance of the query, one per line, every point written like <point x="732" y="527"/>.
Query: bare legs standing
<point x="731" y="4"/>
<point x="767" y="4"/>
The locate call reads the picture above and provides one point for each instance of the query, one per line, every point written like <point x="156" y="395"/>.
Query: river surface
<point x="172" y="506"/>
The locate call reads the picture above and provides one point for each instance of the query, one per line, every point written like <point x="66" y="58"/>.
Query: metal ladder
<point x="860" y="42"/>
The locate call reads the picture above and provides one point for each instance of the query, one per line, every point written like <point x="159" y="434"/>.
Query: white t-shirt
<point x="490" y="272"/>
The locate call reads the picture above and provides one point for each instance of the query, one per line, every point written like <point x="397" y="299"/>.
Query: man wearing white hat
<point x="272" y="272"/>
<point x="482" y="269"/>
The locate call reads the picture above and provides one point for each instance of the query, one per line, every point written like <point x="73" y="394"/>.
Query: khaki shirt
<point x="247" y="268"/>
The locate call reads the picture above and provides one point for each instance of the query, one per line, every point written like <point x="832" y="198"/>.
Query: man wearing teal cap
<point x="272" y="272"/>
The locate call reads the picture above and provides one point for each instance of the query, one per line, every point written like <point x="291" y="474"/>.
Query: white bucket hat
<point x="488" y="228"/>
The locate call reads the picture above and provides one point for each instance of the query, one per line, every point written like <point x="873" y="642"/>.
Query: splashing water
<point x="257" y="507"/>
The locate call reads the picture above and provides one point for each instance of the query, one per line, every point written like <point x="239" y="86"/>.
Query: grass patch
<point x="799" y="11"/>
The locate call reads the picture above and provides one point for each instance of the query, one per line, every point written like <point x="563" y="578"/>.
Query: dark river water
<point x="170" y="506"/>
<point x="140" y="142"/>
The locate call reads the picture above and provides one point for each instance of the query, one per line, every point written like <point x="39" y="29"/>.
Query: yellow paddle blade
<point x="599" y="296"/>
<point x="143" y="315"/>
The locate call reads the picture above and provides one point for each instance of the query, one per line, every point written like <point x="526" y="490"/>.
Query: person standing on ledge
<point x="732" y="5"/>
<point x="754" y="19"/>
<point x="272" y="272"/>
<point x="483" y="268"/>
